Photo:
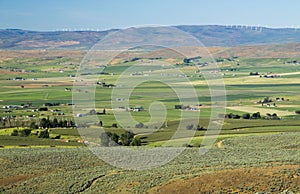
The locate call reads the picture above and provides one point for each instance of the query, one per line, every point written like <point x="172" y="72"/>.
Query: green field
<point x="46" y="79"/>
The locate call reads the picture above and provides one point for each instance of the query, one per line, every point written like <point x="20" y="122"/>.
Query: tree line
<point x="256" y="115"/>
<point x="125" y="139"/>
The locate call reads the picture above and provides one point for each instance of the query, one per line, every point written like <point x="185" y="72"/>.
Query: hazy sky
<point x="106" y="14"/>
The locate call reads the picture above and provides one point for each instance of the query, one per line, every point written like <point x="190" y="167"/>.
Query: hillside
<point x="213" y="35"/>
<point x="209" y="35"/>
<point x="23" y="39"/>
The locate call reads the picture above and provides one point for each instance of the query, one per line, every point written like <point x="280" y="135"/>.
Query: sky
<point x="49" y="15"/>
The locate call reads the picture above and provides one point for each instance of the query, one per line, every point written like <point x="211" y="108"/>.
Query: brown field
<point x="243" y="180"/>
<point x="7" y="54"/>
<point x="8" y="72"/>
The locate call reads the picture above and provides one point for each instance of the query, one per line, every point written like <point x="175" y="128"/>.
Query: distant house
<point x="80" y="115"/>
<point x="18" y="78"/>
<point x="138" y="109"/>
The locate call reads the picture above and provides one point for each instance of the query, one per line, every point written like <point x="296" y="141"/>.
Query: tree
<point x="15" y="133"/>
<point x="45" y="123"/>
<point x="135" y="142"/>
<point x="33" y="125"/>
<point x="60" y="123"/>
<point x="55" y="122"/>
<point x="178" y="106"/>
<point x="44" y="134"/>
<point x="65" y="123"/>
<point x="100" y="123"/>
<point x="267" y="100"/>
<point x="275" y="117"/>
<point x="43" y="109"/>
<point x="200" y="128"/>
<point x="115" y="137"/>
<point x="126" y="138"/>
<point x="256" y="115"/>
<point x="236" y="116"/>
<point x="229" y="116"/>
<point x="25" y="132"/>
<point x="246" y="116"/>
<point x="93" y="112"/>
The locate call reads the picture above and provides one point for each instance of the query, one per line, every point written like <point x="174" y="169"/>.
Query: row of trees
<point x="125" y="139"/>
<point x="198" y="127"/>
<point x="34" y="123"/>
<point x="252" y="116"/>
<point x="51" y="123"/>
<point x="27" y="132"/>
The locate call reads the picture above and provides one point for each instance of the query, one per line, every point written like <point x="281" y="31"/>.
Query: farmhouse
<point x="138" y="109"/>
<point x="80" y="115"/>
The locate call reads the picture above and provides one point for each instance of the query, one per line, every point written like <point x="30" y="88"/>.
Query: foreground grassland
<point x="60" y="163"/>
<point x="273" y="158"/>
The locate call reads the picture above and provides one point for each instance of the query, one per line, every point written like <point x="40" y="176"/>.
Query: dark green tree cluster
<point x="198" y="127"/>
<point x="44" y="134"/>
<point x="27" y="132"/>
<point x="232" y="116"/>
<point x="256" y="115"/>
<point x="22" y="133"/>
<point x="48" y="123"/>
<point x="125" y="139"/>
<point x="244" y="116"/>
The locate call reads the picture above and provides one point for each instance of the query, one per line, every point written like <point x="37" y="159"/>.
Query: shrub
<point x="200" y="128"/>
<point x="139" y="125"/>
<point x="189" y="127"/>
<point x="297" y="112"/>
<point x="135" y="142"/>
<point x="15" y="133"/>
<point x="57" y="137"/>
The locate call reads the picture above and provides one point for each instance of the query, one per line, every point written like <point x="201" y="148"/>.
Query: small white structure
<point x="80" y="115"/>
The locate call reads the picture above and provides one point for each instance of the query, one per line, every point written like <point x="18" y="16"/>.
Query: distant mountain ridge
<point x="209" y="35"/>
